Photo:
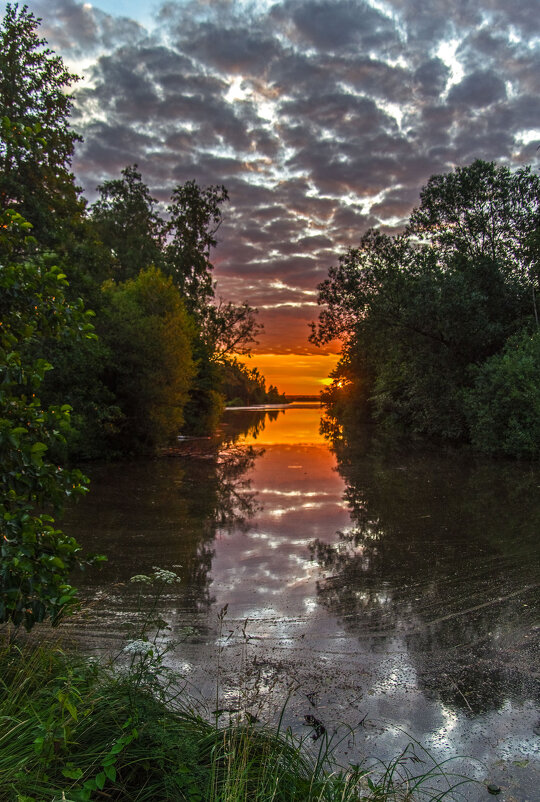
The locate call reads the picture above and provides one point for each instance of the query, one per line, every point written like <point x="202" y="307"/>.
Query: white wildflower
<point x="167" y="577"/>
<point x="147" y="580"/>
<point x="139" y="647"/>
<point x="187" y="631"/>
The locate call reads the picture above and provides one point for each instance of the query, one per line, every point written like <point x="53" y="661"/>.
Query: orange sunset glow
<point x="296" y="426"/>
<point x="294" y="374"/>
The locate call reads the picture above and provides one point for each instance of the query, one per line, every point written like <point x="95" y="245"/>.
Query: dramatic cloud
<point x="322" y="118"/>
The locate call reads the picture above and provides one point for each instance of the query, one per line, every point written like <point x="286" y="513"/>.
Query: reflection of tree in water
<point x="442" y="551"/>
<point x="248" y="422"/>
<point x="217" y="497"/>
<point x="165" y="512"/>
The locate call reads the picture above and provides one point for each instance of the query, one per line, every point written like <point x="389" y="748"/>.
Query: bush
<point x="149" y="335"/>
<point x="37" y="558"/>
<point x="503" y="405"/>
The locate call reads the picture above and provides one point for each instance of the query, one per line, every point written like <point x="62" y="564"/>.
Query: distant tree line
<point x="111" y="339"/>
<point x="247" y="386"/>
<point x="440" y="324"/>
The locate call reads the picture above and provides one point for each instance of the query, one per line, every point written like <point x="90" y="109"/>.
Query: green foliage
<point x="78" y="380"/>
<point x="36" y="143"/>
<point x="135" y="237"/>
<point x="122" y="235"/>
<point x="503" y="404"/>
<point x="150" y="372"/>
<point x="127" y="223"/>
<point x="205" y="404"/>
<point x="194" y="219"/>
<point x="37" y="558"/>
<point x="71" y="729"/>
<point x="480" y="212"/>
<point x="420" y="311"/>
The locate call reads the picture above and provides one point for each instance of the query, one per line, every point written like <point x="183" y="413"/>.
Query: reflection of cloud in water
<point x="390" y="615"/>
<point x="273" y="552"/>
<point x="292" y="493"/>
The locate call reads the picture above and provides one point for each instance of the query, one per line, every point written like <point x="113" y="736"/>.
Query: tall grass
<point x="72" y="730"/>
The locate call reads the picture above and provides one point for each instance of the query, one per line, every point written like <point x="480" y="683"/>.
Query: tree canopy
<point x="149" y="335"/>
<point x="194" y="219"/>
<point x="36" y="140"/>
<point x="128" y="224"/>
<point x="422" y="311"/>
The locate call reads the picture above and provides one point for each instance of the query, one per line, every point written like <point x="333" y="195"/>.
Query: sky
<point x="322" y="118"/>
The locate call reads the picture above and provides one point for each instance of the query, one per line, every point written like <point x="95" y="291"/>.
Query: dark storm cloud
<point x="431" y="77"/>
<point x="344" y="114"/>
<point x="524" y="16"/>
<point x="236" y="50"/>
<point x="338" y="24"/>
<point x="397" y="203"/>
<point x="322" y="118"/>
<point x="106" y="149"/>
<point x="479" y="89"/>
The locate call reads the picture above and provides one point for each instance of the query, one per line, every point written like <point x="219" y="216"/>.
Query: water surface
<point x="394" y="591"/>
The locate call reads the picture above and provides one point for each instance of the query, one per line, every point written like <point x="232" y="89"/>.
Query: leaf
<point x="70" y="707"/>
<point x="101" y="780"/>
<point x="38" y="448"/>
<point x="118" y="746"/>
<point x="72" y="773"/>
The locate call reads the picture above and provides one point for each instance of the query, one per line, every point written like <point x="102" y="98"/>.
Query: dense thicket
<point x="145" y="320"/>
<point x="440" y="323"/>
<point x="36" y="557"/>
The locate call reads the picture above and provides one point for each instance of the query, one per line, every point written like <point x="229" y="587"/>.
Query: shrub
<point x="503" y="405"/>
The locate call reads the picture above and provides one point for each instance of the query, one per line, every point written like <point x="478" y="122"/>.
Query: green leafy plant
<point x="37" y="558"/>
<point x="75" y="730"/>
<point x="503" y="405"/>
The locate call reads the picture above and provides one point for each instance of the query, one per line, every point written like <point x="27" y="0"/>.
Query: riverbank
<point x="76" y="730"/>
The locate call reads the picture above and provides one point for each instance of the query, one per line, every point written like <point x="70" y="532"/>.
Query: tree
<point x="230" y="328"/>
<point x="244" y="386"/>
<point x="126" y="221"/>
<point x="194" y="219"/>
<point x="418" y="311"/>
<point x="151" y="368"/>
<point x="37" y="558"/>
<point x="477" y="213"/>
<point x="128" y="227"/>
<point x="36" y="142"/>
<point x="484" y="218"/>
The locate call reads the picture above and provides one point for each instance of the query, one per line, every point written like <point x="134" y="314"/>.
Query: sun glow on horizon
<point x="294" y="374"/>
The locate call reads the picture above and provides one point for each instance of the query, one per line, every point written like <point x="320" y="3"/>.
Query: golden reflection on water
<point x="293" y="425"/>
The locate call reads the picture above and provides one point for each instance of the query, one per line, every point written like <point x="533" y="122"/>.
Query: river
<point x="390" y="591"/>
